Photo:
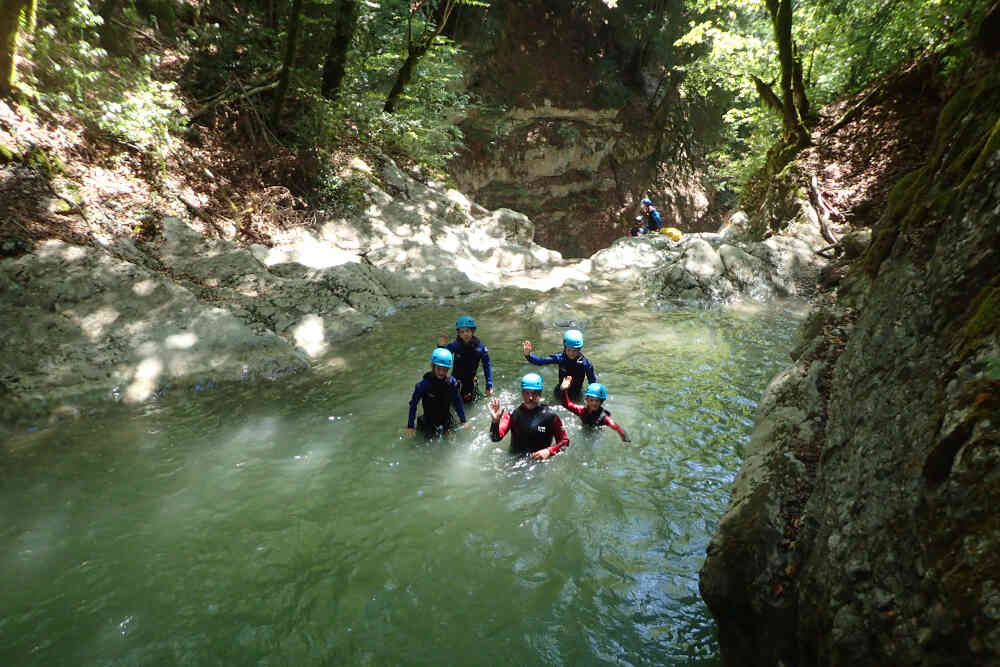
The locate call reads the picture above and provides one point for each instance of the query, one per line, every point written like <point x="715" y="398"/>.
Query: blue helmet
<point x="596" y="390"/>
<point x="465" y="322"/>
<point x="531" y="381"/>
<point x="573" y="338"/>
<point x="441" y="357"/>
<point x="646" y="201"/>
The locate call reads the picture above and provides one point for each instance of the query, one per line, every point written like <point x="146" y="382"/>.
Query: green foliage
<point x="344" y="195"/>
<point x="856" y="42"/>
<point x="117" y="95"/>
<point x="732" y="42"/>
<point x="423" y="127"/>
<point x="843" y="44"/>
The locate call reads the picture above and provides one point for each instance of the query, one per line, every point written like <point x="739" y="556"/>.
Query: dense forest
<point x="269" y="98"/>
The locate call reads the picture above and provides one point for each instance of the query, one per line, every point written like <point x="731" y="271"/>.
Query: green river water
<point x="289" y="523"/>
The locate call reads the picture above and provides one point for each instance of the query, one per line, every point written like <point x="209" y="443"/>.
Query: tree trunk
<point x="32" y="18"/>
<point x="416" y="51"/>
<point x="781" y="18"/>
<point x="113" y="37"/>
<point x="799" y="88"/>
<point x="771" y="100"/>
<point x="403" y="77"/>
<point x="10" y="23"/>
<point x="336" y="56"/>
<point x="286" y="67"/>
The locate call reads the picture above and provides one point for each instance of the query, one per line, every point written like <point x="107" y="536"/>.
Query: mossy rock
<point x="15" y="245"/>
<point x="982" y="317"/>
<point x="38" y="158"/>
<point x="967" y="136"/>
<point x="8" y="154"/>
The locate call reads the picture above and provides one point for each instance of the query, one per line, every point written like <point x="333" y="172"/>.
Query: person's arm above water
<point x="456" y="399"/>
<point x="484" y="353"/>
<point x="569" y="405"/>
<point x="501" y="420"/>
<point x="613" y="425"/>
<point x="418" y="392"/>
<point x="538" y="361"/>
<point x="562" y="441"/>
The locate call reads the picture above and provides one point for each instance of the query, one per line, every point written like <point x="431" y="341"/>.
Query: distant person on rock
<point x="534" y="428"/>
<point x="437" y="391"/>
<point x="592" y="413"/>
<point x="468" y="352"/>
<point x="648" y="221"/>
<point x="572" y="363"/>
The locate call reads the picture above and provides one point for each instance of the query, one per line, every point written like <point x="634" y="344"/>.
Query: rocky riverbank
<point x="126" y="319"/>
<point x="862" y="529"/>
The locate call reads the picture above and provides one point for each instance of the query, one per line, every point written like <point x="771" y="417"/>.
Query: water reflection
<point x="290" y="524"/>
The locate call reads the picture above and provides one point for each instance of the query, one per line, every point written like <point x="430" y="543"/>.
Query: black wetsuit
<point x="437" y="397"/>
<point x="467" y="358"/>
<point x="578" y="369"/>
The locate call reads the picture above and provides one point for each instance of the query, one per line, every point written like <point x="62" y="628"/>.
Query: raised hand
<point x="442" y="340"/>
<point x="566" y="383"/>
<point x="526" y="347"/>
<point x="495" y="410"/>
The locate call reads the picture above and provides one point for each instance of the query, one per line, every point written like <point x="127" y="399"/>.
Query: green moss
<point x="901" y="209"/>
<point x="878" y="251"/>
<point x="991" y="146"/>
<point x="968" y="133"/>
<point x="981" y="317"/>
<point x="37" y="158"/>
<point x="902" y="195"/>
<point x="8" y="154"/>
<point x="954" y="110"/>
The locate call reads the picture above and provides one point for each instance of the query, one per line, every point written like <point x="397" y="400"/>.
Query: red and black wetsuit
<point x="597" y="418"/>
<point x="531" y="430"/>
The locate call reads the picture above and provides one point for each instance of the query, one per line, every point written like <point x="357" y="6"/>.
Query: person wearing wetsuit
<point x="534" y="428"/>
<point x="649" y="221"/>
<point x="437" y="392"/>
<point x="593" y="412"/>
<point x="468" y="351"/>
<point x="571" y="362"/>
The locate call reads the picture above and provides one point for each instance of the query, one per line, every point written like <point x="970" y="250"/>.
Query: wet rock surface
<point x="861" y="529"/>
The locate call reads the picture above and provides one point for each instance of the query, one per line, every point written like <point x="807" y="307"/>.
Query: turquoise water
<point x="291" y="524"/>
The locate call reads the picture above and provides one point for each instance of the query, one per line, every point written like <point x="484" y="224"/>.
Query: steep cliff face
<point x="863" y="528"/>
<point x="574" y="147"/>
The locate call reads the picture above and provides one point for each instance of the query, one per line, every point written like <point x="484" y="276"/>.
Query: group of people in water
<point x="536" y="430"/>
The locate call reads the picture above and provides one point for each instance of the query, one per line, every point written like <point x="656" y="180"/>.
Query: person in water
<point x="468" y="351"/>
<point x="534" y="428"/>
<point x="437" y="391"/>
<point x="571" y="362"/>
<point x="592" y="413"/>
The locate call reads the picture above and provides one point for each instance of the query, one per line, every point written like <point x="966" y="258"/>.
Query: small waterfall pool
<point x="291" y="524"/>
